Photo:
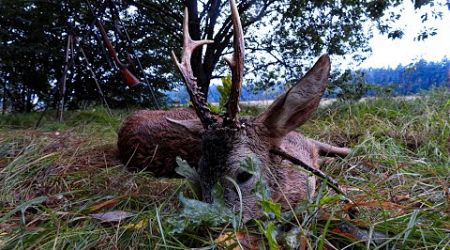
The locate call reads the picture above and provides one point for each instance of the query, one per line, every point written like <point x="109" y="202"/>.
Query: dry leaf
<point x="113" y="216"/>
<point x="231" y="239"/>
<point x="356" y="233"/>
<point x="400" y="198"/>
<point x="303" y="242"/>
<point x="137" y="226"/>
<point x="105" y="204"/>
<point x="374" y="204"/>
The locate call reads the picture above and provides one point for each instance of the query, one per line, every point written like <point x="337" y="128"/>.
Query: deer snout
<point x="243" y="177"/>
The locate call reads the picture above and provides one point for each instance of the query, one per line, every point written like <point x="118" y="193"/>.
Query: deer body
<point x="150" y="140"/>
<point x="218" y="145"/>
<point x="147" y="140"/>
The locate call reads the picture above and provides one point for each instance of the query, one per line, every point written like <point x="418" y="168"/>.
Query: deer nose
<point x="243" y="177"/>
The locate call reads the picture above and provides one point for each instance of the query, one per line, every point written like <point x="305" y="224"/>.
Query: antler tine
<point x="236" y="63"/>
<point x="185" y="68"/>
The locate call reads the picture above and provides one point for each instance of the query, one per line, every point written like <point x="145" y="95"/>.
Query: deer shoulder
<point x="148" y="141"/>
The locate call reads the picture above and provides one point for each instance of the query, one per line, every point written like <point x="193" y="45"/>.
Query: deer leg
<point x="326" y="161"/>
<point x="329" y="150"/>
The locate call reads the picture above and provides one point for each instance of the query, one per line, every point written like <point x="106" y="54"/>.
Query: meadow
<point x="62" y="186"/>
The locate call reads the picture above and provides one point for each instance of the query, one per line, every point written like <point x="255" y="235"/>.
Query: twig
<point x="62" y="83"/>
<point x="100" y="92"/>
<point x="332" y="183"/>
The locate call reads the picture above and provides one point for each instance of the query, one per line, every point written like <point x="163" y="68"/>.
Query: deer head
<point x="229" y="140"/>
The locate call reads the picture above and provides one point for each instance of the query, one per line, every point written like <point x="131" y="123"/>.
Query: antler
<point x="185" y="68"/>
<point x="236" y="63"/>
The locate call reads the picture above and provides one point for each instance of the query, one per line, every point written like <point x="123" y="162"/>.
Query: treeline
<point x="352" y="85"/>
<point x="410" y="79"/>
<point x="248" y="93"/>
<point x="402" y="80"/>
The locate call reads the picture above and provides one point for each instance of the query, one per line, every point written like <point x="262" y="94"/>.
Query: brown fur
<point x="147" y="131"/>
<point x="148" y="141"/>
<point x="152" y="139"/>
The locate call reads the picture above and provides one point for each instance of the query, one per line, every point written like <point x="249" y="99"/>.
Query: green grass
<point x="54" y="177"/>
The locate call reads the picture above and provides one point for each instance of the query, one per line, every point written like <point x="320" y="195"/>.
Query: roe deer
<point x="217" y="145"/>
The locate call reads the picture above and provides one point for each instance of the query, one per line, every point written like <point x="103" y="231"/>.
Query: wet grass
<point x="54" y="178"/>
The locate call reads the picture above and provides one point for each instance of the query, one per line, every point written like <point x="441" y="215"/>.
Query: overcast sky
<point x="388" y="52"/>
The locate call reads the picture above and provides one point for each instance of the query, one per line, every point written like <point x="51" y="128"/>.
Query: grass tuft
<point x="55" y="177"/>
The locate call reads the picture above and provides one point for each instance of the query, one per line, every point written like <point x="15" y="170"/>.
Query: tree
<point x="292" y="32"/>
<point x="411" y="79"/>
<point x="280" y="36"/>
<point x="33" y="38"/>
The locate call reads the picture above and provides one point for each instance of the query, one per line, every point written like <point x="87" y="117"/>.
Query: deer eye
<point x="243" y="177"/>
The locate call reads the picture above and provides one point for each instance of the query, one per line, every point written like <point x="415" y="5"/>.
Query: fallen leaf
<point x="113" y="216"/>
<point x="105" y="204"/>
<point x="374" y="204"/>
<point x="303" y="242"/>
<point x="234" y="241"/>
<point x="186" y="171"/>
<point x="137" y="226"/>
<point x="400" y="198"/>
<point x="2" y="234"/>
<point x="197" y="213"/>
<point x="355" y="233"/>
<point x="446" y="186"/>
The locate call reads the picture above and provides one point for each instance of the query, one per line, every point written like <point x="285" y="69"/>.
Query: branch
<point x="160" y="8"/>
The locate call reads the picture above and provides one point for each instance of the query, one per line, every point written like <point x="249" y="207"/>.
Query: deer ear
<point x="295" y="107"/>
<point x="193" y="126"/>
